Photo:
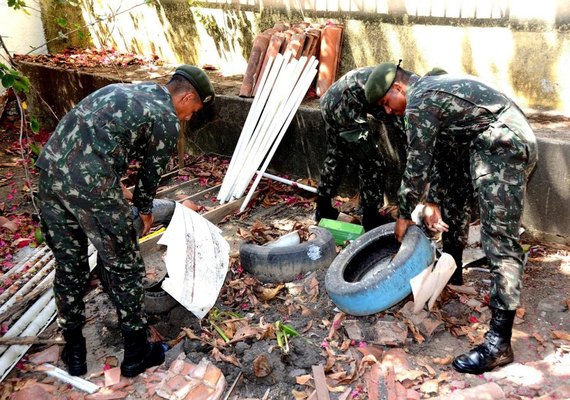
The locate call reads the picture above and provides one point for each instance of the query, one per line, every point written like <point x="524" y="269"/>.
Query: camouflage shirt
<point x="443" y="110"/>
<point x="93" y="143"/>
<point x="345" y="111"/>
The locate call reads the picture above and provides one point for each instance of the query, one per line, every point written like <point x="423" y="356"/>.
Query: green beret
<point x="379" y="82"/>
<point x="199" y="80"/>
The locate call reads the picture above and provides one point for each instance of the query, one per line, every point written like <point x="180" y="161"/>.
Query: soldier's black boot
<point x="74" y="353"/>
<point x="496" y="351"/>
<point x="457" y="253"/>
<point x="140" y="354"/>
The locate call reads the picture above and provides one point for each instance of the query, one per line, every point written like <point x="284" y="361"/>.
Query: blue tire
<point x="373" y="273"/>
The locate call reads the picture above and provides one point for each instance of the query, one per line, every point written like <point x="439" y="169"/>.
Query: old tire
<point x="157" y="301"/>
<point x="285" y="264"/>
<point x="373" y="273"/>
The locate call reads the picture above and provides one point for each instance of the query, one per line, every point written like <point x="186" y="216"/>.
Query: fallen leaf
<point x="303" y="379"/>
<point x="430" y="387"/>
<point x="49" y="355"/>
<point x="443" y="361"/>
<point x="520" y="312"/>
<point x="561" y="335"/>
<point x="11" y="226"/>
<point x="266" y="294"/>
<point x="261" y="366"/>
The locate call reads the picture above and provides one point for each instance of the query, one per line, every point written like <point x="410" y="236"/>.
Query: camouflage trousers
<point x="70" y="217"/>
<point x="361" y="158"/>
<point x="501" y="159"/>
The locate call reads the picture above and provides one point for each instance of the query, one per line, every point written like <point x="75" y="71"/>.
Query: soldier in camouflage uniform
<point x="352" y="144"/>
<point x="81" y="199"/>
<point x="465" y="114"/>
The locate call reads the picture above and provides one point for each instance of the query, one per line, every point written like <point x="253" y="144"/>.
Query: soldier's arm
<point x="422" y="127"/>
<point x="160" y="145"/>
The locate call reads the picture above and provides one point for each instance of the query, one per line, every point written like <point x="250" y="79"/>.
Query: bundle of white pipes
<point x="283" y="86"/>
<point x="40" y="314"/>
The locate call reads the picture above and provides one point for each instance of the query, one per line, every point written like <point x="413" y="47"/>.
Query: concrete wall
<point x="302" y="151"/>
<point x="21" y="31"/>
<point x="519" y="46"/>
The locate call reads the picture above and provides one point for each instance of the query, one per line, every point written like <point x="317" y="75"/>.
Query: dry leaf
<point x="520" y="312"/>
<point x="303" y="379"/>
<point x="266" y="294"/>
<point x="443" y="361"/>
<point x="219" y="356"/>
<point x="261" y="366"/>
<point x="561" y="335"/>
<point x="430" y="387"/>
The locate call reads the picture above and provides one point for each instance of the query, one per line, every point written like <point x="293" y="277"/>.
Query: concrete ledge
<point x="302" y="151"/>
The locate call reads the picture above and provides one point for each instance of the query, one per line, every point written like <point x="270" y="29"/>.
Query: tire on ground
<point x="285" y="264"/>
<point x="373" y="273"/>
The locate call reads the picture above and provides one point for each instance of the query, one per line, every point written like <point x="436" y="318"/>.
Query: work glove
<point x="325" y="209"/>
<point x="372" y="219"/>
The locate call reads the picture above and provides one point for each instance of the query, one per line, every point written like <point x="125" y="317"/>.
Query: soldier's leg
<point x="68" y="244"/>
<point x="456" y="212"/>
<point x="371" y="182"/>
<point x="501" y="193"/>
<point x="110" y="230"/>
<point x="112" y="233"/>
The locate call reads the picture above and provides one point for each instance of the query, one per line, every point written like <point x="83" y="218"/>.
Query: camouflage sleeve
<point x="422" y="121"/>
<point x="161" y="143"/>
<point x="334" y="165"/>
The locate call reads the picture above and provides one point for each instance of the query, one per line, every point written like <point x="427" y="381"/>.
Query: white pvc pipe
<point x="247" y="128"/>
<point x="31" y="260"/>
<point x="75" y="381"/>
<point x="233" y="174"/>
<point x="288" y="182"/>
<point x="270" y="109"/>
<point x="300" y="91"/>
<point x="32" y="284"/>
<point x="41" y="319"/>
<point x="29" y="316"/>
<point x="31" y="281"/>
<point x="280" y="95"/>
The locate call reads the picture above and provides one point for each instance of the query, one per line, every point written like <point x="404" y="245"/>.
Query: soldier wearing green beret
<point x="351" y="144"/>
<point x="494" y="151"/>
<point x="81" y="199"/>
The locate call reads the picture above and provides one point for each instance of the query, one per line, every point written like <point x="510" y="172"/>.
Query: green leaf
<point x="39" y="236"/>
<point x="289" y="330"/>
<point x="35" y="125"/>
<point x="8" y="80"/>
<point x="21" y="84"/>
<point x="61" y="21"/>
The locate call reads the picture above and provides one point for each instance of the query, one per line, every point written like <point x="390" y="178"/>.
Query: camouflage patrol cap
<point x="199" y="80"/>
<point x="380" y="81"/>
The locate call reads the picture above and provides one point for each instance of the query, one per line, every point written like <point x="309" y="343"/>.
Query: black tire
<point x="373" y="273"/>
<point x="157" y="301"/>
<point x="285" y="264"/>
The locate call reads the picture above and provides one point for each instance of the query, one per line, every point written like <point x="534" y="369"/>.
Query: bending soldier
<point x="81" y="200"/>
<point x="493" y="152"/>
<point x="352" y="144"/>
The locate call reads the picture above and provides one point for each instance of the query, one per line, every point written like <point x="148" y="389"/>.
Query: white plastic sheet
<point x="428" y="284"/>
<point x="196" y="259"/>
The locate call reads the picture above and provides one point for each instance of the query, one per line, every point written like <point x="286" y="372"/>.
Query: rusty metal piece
<point x="295" y="45"/>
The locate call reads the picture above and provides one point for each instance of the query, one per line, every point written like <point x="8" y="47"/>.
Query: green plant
<point x="12" y="79"/>
<point x="283" y="332"/>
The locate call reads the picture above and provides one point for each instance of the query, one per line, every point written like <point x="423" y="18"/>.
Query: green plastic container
<point x="341" y="231"/>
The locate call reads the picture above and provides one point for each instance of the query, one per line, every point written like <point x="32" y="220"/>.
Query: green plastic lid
<point x="341" y="231"/>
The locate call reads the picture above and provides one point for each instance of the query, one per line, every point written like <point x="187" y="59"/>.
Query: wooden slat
<point x="320" y="382"/>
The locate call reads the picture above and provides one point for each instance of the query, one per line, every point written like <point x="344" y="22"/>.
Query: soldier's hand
<point x="401" y="228"/>
<point x="147" y="220"/>
<point x="432" y="218"/>
<point x="325" y="209"/>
